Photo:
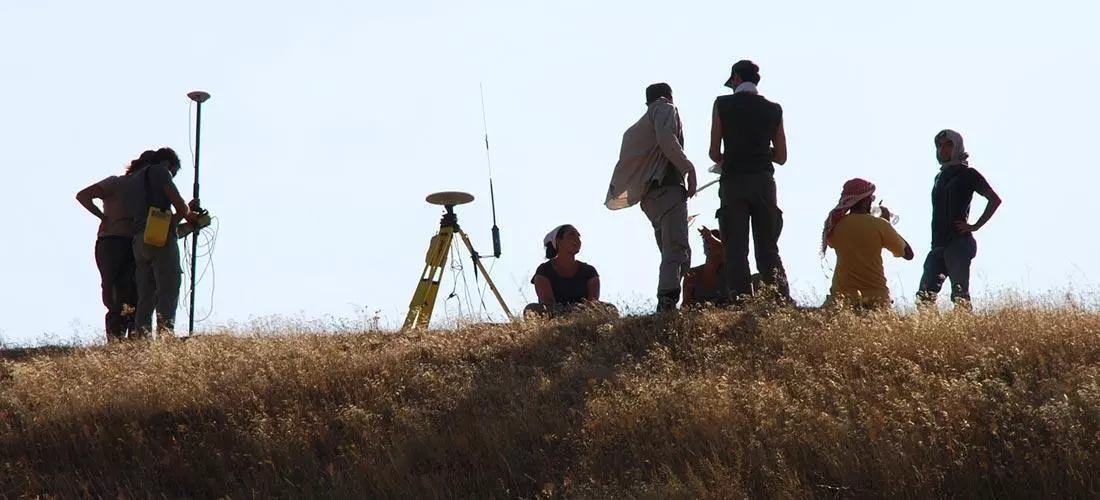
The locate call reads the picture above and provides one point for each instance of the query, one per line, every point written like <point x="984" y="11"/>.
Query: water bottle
<point x="876" y="211"/>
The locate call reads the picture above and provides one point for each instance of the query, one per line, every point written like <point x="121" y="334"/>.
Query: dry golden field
<point x="714" y="404"/>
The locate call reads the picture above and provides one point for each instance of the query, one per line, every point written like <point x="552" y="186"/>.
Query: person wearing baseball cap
<point x="859" y="280"/>
<point x="746" y="140"/>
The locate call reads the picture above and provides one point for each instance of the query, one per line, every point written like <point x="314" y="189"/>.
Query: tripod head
<point x="449" y="199"/>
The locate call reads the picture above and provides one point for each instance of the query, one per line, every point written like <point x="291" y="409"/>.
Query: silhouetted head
<point x="168" y="158"/>
<point x="657" y="90"/>
<point x="743" y="71"/>
<point x="140" y="162"/>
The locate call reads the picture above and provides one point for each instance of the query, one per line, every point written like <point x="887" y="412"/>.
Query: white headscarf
<point x="959" y="155"/>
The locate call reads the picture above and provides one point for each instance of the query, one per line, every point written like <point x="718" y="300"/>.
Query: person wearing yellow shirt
<point x="859" y="238"/>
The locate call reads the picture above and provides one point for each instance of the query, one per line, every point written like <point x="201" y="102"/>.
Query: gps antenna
<point x="199" y="97"/>
<point x="488" y="160"/>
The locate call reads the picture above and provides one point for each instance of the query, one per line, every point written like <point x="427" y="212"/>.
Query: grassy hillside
<point x="716" y="404"/>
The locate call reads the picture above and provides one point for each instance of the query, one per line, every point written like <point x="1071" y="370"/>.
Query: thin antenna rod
<point x="489" y="162"/>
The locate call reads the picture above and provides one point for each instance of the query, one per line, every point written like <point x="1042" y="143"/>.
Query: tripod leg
<point x="423" y="301"/>
<point x="488" y="279"/>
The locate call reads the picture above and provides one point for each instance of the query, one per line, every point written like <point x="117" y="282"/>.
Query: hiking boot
<point x="666" y="304"/>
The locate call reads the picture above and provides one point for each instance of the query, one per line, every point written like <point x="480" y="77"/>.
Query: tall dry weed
<point x="715" y="404"/>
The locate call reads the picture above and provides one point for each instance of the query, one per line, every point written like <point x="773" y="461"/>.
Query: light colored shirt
<point x="859" y="240"/>
<point x="119" y="222"/>
<point x="655" y="140"/>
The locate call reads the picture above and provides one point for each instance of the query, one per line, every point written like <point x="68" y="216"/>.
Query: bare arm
<point x="715" y="136"/>
<point x="993" y="202"/>
<point x="594" y="288"/>
<point x="779" y="151"/>
<point x="85" y="197"/>
<point x="177" y="201"/>
<point x="543" y="290"/>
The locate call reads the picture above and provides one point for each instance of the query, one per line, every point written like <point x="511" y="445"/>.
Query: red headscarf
<point x="855" y="190"/>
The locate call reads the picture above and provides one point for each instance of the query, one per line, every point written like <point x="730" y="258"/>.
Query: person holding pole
<point x="152" y="194"/>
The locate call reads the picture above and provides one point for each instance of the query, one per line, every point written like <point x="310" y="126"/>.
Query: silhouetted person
<point x="747" y="137"/>
<point x="563" y="283"/>
<point x="706" y="283"/>
<point x="652" y="168"/>
<point x="859" y="280"/>
<point x="114" y="249"/>
<point x="953" y="243"/>
<point x="158" y="267"/>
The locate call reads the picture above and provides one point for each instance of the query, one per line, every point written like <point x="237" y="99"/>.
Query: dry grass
<point x="722" y="404"/>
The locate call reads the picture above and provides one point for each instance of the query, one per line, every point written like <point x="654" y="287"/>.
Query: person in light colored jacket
<point x="653" y="171"/>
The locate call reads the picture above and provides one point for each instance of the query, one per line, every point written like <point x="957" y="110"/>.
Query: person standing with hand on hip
<point x="114" y="249"/>
<point x="651" y="170"/>
<point x="746" y="139"/>
<point x="953" y="243"/>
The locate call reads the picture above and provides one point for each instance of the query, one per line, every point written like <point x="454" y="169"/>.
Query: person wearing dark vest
<point x="114" y="252"/>
<point x="563" y="283"/>
<point x="158" y="267"/>
<point x="953" y="243"/>
<point x="652" y="169"/>
<point x="746" y="139"/>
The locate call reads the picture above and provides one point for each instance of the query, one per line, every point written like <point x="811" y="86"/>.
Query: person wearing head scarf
<point x="859" y="238"/>
<point x="562" y="282"/>
<point x="953" y="244"/>
<point x="747" y="140"/>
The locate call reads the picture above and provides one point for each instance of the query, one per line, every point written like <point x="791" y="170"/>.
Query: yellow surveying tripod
<point x="423" y="301"/>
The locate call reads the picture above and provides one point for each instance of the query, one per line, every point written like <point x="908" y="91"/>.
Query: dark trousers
<point x="159" y="276"/>
<point x="114" y="255"/>
<point x="749" y="201"/>
<point x="951" y="260"/>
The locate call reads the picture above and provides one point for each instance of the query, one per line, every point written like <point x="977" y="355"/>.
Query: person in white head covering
<point x="953" y="244"/>
<point x="563" y="282"/>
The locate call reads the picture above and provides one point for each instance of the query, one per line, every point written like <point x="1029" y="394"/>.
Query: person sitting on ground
<point x="706" y="283"/>
<point x="858" y="238"/>
<point x="563" y="283"/>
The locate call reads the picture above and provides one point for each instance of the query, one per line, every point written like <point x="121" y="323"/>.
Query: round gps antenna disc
<point x="449" y="198"/>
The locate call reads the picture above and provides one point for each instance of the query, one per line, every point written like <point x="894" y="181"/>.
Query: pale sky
<point x="330" y="122"/>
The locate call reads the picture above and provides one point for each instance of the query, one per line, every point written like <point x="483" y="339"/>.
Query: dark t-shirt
<point x="144" y="189"/>
<point x="952" y="193"/>
<point x="571" y="290"/>
<point x="749" y="122"/>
